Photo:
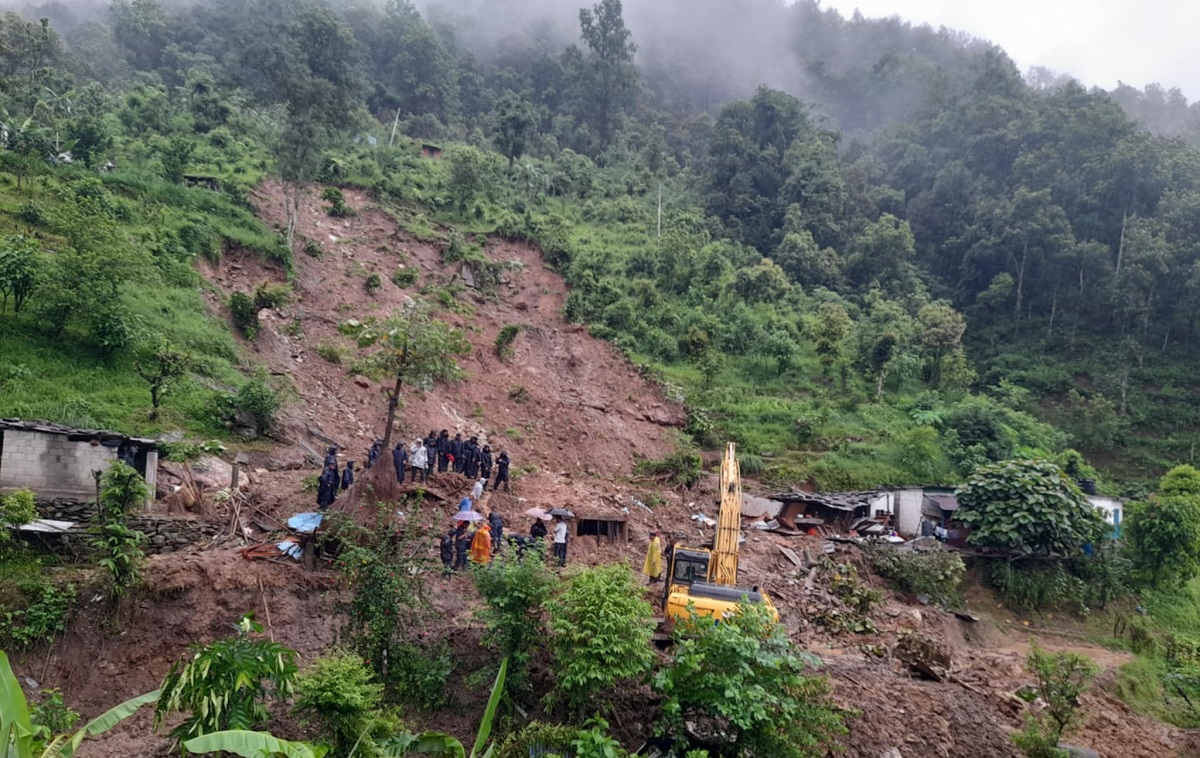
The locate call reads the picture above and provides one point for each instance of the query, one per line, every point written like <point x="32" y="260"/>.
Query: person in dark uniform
<point x="400" y="458"/>
<point x="327" y="486"/>
<point x="374" y="453"/>
<point x="456" y="451"/>
<point x="497" y="523"/>
<point x="501" y="470"/>
<point x="485" y="464"/>
<point x="538" y="530"/>
<point x="462" y="543"/>
<point x="443" y="451"/>
<point x="447" y="550"/>
<point x="348" y="475"/>
<point x="330" y="457"/>
<point x="471" y="458"/>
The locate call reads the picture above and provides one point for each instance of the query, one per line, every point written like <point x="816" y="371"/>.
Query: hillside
<point x="871" y="254"/>
<point x="589" y="413"/>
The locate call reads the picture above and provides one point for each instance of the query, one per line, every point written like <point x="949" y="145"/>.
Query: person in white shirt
<point x="477" y="490"/>
<point x="560" y="540"/>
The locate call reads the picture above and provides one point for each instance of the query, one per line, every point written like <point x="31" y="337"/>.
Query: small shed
<point x="57" y="461"/>
<point x="431" y="151"/>
<point x="610" y="526"/>
<point x="200" y="180"/>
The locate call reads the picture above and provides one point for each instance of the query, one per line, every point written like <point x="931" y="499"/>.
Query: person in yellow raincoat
<point x="652" y="568"/>
<point x="481" y="545"/>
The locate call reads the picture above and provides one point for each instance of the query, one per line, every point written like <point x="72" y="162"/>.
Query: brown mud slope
<point x="570" y="410"/>
<point x="565" y="402"/>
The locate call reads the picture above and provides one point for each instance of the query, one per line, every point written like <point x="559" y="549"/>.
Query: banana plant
<point x="17" y="732"/>
<point x="261" y="744"/>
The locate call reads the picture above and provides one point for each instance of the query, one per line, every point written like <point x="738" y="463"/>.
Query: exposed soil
<point x="583" y="414"/>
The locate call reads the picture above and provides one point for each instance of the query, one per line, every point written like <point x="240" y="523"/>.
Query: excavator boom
<point x="724" y="567"/>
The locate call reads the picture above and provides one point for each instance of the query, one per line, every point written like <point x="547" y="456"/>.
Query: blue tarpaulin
<point x="305" y="523"/>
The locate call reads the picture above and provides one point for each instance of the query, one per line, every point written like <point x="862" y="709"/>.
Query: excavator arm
<point x="724" y="566"/>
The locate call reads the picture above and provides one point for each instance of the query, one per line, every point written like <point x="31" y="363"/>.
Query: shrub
<point x="32" y="213"/>
<point x="245" y="314"/>
<point x="16" y="508"/>
<point x="504" y="340"/>
<point x="385" y="605"/>
<point x="419" y="672"/>
<point x="514" y="591"/>
<point x="313" y="249"/>
<point x="225" y="683"/>
<point x="271" y="295"/>
<point x="111" y="329"/>
<point x="328" y="351"/>
<point x="680" y="469"/>
<point x="404" y="276"/>
<point x="43" y="618"/>
<point x="601" y="629"/>
<point x="372" y="283"/>
<point x="935" y="574"/>
<point x="260" y="401"/>
<point x="538" y="738"/>
<point x="338" y="694"/>
<point x="742" y="683"/>
<point x="1062" y="678"/>
<point x="337" y="203"/>
<point x="1163" y="534"/>
<point x="122" y="489"/>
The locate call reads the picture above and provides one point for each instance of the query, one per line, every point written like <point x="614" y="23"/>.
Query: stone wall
<point x="51" y="464"/>
<point x="164" y="534"/>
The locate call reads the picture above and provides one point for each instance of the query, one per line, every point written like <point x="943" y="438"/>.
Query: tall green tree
<point x="20" y="260"/>
<point x="1163" y="533"/>
<point x="1027" y="507"/>
<point x="515" y="123"/>
<point x="411" y="346"/>
<point x="611" y="77"/>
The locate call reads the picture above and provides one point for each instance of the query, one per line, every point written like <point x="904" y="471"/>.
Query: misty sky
<point x="1097" y="41"/>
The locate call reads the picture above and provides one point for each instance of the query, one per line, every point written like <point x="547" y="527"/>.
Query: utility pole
<point x="660" y="210"/>
<point x="394" y="125"/>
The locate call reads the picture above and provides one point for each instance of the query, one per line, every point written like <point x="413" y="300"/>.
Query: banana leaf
<point x="16" y="733"/>
<point x="104" y="722"/>
<point x="251" y="745"/>
<point x="489" y="714"/>
<point x="427" y="743"/>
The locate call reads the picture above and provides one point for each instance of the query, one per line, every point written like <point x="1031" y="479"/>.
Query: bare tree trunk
<point x="1123" y="410"/>
<point x="1121" y="243"/>
<point x="879" y="384"/>
<point x="393" y="403"/>
<point x="1021" y="276"/>
<point x="1053" y="311"/>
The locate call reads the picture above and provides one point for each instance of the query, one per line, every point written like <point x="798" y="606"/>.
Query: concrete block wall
<point x="50" y="464"/>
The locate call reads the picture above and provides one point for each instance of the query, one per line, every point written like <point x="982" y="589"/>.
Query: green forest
<point x="871" y="253"/>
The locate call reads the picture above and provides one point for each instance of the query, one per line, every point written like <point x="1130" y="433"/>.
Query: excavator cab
<point x="704" y="582"/>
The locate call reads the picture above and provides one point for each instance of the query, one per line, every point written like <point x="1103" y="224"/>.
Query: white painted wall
<point x="908" y="511"/>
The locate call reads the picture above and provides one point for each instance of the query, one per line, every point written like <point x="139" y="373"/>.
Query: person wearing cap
<point x="348" y="475"/>
<point x="652" y="566"/>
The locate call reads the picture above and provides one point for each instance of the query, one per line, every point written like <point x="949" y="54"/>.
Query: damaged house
<point x="61" y="463"/>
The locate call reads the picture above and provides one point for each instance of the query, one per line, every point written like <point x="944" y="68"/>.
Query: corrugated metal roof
<point x="945" y="502"/>
<point x="49" y="427"/>
<point x="842" y="501"/>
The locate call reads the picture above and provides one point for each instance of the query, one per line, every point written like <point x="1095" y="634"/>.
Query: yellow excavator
<point x="704" y="582"/>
